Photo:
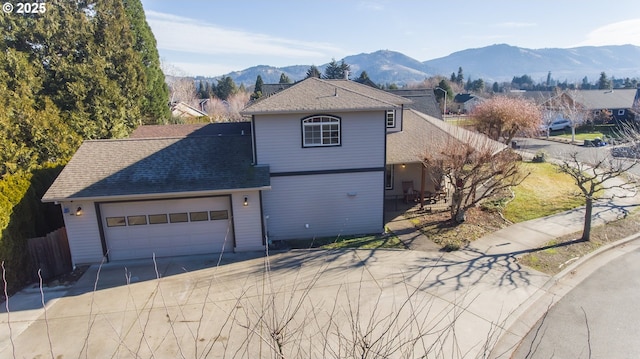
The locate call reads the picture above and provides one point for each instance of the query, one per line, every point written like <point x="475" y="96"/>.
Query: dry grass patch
<point x="452" y="236"/>
<point x="557" y="254"/>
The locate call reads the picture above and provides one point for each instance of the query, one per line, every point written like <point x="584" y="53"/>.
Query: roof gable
<point x="422" y="133"/>
<point x="313" y="94"/>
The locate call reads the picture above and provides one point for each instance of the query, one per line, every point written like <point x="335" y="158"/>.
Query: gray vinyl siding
<point x="331" y="204"/>
<point x="247" y="222"/>
<point x="82" y="231"/>
<point x="279" y="143"/>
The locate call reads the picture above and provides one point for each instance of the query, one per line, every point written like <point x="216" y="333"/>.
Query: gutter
<point x="162" y="195"/>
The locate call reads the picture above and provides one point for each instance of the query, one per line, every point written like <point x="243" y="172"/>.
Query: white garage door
<point x="167" y="227"/>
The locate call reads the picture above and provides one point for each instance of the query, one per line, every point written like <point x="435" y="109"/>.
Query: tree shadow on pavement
<point x="470" y="266"/>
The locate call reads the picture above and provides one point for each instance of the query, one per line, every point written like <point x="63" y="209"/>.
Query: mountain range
<point x="495" y="63"/>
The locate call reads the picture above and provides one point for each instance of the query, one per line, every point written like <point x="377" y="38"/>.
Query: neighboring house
<point x="619" y="102"/>
<point x="182" y="110"/>
<point x="622" y="104"/>
<point x="317" y="159"/>
<point x="464" y="103"/>
<point x="422" y="100"/>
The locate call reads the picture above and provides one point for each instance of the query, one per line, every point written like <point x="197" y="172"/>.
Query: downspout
<point x="422" y="179"/>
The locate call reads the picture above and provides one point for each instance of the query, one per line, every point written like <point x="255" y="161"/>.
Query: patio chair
<point x="408" y="191"/>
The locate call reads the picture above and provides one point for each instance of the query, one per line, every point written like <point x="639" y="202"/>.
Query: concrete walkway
<point x="470" y="301"/>
<point x="507" y="244"/>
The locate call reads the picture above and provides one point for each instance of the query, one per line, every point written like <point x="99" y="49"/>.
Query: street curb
<point x="533" y="309"/>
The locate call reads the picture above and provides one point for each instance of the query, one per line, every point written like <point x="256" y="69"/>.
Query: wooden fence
<point x="50" y="254"/>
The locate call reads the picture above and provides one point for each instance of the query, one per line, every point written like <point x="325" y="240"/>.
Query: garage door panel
<point x="166" y="239"/>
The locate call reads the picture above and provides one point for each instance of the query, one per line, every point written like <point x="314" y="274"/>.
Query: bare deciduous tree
<point x="477" y="167"/>
<point x="182" y="87"/>
<point x="502" y="118"/>
<point x="570" y="107"/>
<point x="228" y="110"/>
<point x="604" y="173"/>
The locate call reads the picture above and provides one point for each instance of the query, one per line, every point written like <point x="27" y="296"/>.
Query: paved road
<point x="600" y="318"/>
<point x="563" y="150"/>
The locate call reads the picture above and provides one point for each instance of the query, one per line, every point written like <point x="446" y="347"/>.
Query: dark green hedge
<point x="23" y="216"/>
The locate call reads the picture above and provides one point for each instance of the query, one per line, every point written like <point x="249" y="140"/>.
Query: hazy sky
<point x="214" y="37"/>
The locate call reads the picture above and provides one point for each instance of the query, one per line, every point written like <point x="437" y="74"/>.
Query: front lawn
<point x="589" y="132"/>
<point x="340" y="242"/>
<point x="544" y="192"/>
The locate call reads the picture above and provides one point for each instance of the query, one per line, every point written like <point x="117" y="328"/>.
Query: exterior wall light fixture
<point x="246" y="201"/>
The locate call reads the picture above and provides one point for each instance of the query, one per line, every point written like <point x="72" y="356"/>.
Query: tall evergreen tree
<point x="443" y="84"/>
<point x="336" y="70"/>
<point x="155" y="107"/>
<point x="603" y="82"/>
<point x="313" y="72"/>
<point x="77" y="72"/>
<point x="284" y="79"/>
<point x="226" y="87"/>
<point x="124" y="83"/>
<point x="202" y="91"/>
<point x="257" y="88"/>
<point x="495" y="87"/>
<point x="460" y="77"/>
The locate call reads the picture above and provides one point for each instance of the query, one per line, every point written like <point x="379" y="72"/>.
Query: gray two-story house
<point x="324" y="142"/>
<point x="317" y="159"/>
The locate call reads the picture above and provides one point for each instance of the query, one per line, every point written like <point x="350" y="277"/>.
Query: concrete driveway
<point x="307" y="303"/>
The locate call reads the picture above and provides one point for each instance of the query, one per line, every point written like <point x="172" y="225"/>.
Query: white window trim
<point x="390" y="169"/>
<point x="325" y="120"/>
<point x="620" y="112"/>
<point x="391" y="115"/>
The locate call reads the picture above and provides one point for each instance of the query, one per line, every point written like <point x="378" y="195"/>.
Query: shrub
<point x="540" y="157"/>
<point x="23" y="216"/>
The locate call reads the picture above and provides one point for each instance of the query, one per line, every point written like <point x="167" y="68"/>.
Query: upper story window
<point x="321" y="131"/>
<point x="391" y="118"/>
<point x="620" y="112"/>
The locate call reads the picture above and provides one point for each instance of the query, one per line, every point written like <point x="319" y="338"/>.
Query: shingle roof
<point x="152" y="167"/>
<point x="200" y="129"/>
<point x="181" y="109"/>
<point x="462" y="97"/>
<point x="315" y="94"/>
<point x="270" y="89"/>
<point x="421" y="133"/>
<point x="423" y="100"/>
<point x="606" y="99"/>
<point x="537" y="97"/>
